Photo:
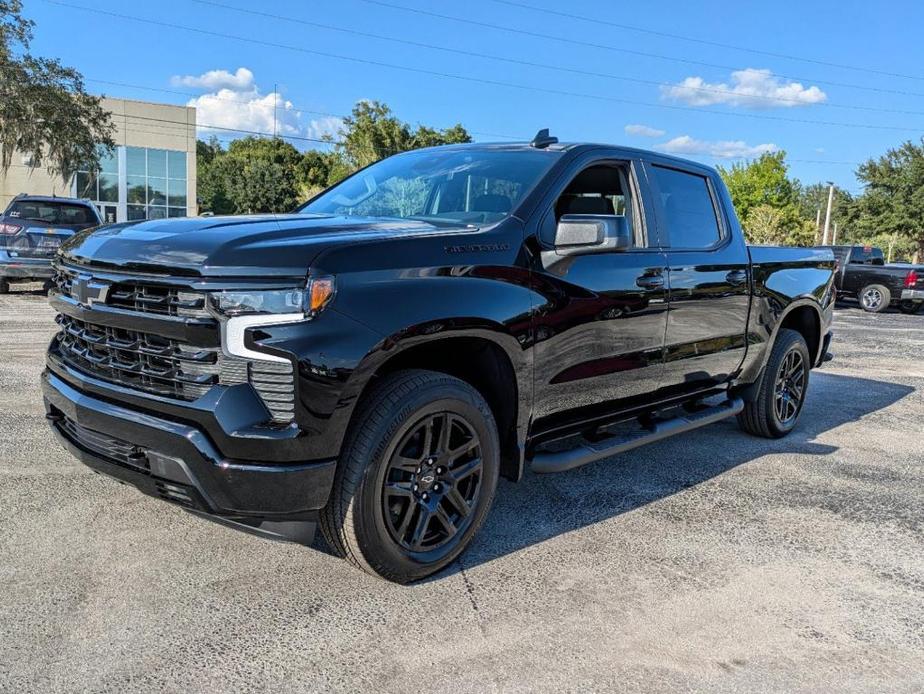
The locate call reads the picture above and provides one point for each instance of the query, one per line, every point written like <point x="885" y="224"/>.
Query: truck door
<point x="708" y="275"/>
<point x="599" y="319"/>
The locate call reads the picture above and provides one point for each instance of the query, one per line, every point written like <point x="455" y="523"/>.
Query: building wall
<point x="139" y="124"/>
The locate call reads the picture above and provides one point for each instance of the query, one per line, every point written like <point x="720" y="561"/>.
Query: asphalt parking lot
<point x="713" y="562"/>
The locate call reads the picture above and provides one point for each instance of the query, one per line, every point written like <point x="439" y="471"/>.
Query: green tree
<point x="255" y="174"/>
<point x="372" y="132"/>
<point x="258" y="174"/>
<point x="813" y="204"/>
<point x="761" y="181"/>
<point x="767" y="201"/>
<point x="44" y="109"/>
<point x="893" y="200"/>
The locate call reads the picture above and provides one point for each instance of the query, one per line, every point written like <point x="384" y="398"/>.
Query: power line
<point x="476" y="80"/>
<point x="628" y="51"/>
<point x="546" y="66"/>
<point x="651" y="32"/>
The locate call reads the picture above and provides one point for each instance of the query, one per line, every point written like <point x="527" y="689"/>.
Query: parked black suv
<point x="378" y="359"/>
<point x="31" y="229"/>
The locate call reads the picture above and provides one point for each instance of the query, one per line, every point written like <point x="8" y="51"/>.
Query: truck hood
<point x="264" y="245"/>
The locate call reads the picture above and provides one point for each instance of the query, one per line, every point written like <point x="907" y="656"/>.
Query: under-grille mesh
<point x="112" y="449"/>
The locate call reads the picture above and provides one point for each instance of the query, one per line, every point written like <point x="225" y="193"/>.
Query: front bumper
<point x="177" y="462"/>
<point x="14" y="267"/>
<point x="913" y="295"/>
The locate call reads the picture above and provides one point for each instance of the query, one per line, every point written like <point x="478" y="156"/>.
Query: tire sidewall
<point x="378" y="547"/>
<point x="792" y="342"/>
<point x="886" y="298"/>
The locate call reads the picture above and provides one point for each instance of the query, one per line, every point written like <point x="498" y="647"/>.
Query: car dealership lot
<point x="712" y="561"/>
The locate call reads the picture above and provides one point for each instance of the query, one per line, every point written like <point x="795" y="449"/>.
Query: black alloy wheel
<point x="789" y="390"/>
<point x="432" y="482"/>
<point x="416" y="477"/>
<point x="773" y="411"/>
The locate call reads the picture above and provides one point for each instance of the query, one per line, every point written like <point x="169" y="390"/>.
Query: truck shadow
<point x="541" y="507"/>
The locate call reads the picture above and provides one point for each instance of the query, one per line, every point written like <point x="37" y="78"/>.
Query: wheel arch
<point x="485" y="365"/>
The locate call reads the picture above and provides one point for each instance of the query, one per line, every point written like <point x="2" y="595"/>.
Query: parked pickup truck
<point x="863" y="274"/>
<point x="31" y="229"/>
<point x="376" y="360"/>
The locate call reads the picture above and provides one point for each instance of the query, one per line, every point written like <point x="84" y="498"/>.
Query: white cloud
<point x="327" y="126"/>
<point x="234" y="105"/>
<point x="720" y="149"/>
<point x="750" y="88"/>
<point x="214" y="80"/>
<point x="643" y="131"/>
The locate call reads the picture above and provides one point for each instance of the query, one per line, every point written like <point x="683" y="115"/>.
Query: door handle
<point x="737" y="277"/>
<point x="650" y="281"/>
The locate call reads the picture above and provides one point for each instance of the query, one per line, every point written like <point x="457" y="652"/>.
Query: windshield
<point x="452" y="186"/>
<point x="51" y="212"/>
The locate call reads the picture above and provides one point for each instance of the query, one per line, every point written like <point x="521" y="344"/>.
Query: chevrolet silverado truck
<point x="373" y="362"/>
<point x="32" y="228"/>
<point x="863" y="274"/>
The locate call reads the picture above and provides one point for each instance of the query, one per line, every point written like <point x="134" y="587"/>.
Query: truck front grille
<point x="139" y="360"/>
<point x="158" y="365"/>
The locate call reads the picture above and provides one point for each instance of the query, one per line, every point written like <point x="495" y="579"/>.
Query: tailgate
<point x="37" y="242"/>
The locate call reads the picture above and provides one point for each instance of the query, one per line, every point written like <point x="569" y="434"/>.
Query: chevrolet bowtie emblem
<point x="87" y="291"/>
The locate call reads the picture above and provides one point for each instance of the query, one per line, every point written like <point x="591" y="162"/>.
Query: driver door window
<point x="601" y="189"/>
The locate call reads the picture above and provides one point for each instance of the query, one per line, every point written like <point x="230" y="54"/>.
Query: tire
<point x="875" y="298"/>
<point x="762" y="417"/>
<point x="4" y="287"/>
<point x="387" y="442"/>
<point x="47" y="286"/>
<point x="911" y="307"/>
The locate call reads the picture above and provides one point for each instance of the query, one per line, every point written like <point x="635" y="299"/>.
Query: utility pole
<point x="824" y="238"/>
<point x="275" y="99"/>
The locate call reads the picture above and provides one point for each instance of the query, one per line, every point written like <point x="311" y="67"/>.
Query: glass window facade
<point x="135" y="183"/>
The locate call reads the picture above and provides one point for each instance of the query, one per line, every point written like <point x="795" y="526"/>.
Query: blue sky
<point x="832" y="83"/>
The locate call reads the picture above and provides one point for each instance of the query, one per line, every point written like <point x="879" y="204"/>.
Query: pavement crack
<point x="470" y="591"/>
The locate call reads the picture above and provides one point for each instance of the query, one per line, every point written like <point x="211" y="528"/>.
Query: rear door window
<point x="687" y="209"/>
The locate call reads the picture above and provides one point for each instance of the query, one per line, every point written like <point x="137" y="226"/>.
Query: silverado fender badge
<point x="478" y="248"/>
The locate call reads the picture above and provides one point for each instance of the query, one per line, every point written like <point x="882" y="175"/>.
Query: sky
<point x="831" y="83"/>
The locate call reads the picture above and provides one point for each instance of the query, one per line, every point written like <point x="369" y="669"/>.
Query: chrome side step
<point x="590" y="451"/>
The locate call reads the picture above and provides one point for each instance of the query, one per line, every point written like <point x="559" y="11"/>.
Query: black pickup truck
<point x="862" y="274"/>
<point x="376" y="360"/>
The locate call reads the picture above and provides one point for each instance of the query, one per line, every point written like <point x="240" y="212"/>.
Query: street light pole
<point x="824" y="241"/>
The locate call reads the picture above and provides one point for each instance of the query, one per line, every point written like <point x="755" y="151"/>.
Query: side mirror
<point x="580" y="234"/>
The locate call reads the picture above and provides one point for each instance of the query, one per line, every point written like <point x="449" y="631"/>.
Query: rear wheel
<point x="911" y="307"/>
<point x="416" y="478"/>
<point x="4" y="286"/>
<point x="875" y="298"/>
<point x="47" y="286"/>
<point x="784" y="384"/>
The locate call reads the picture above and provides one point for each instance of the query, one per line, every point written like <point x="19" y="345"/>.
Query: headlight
<point x="307" y="301"/>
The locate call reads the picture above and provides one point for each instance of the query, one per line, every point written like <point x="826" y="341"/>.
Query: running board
<point x="590" y="451"/>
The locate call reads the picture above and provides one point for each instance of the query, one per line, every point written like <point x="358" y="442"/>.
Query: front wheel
<point x="4" y="286"/>
<point x="416" y="478"/>
<point x="784" y="384"/>
<point x="875" y="298"/>
<point x="911" y="307"/>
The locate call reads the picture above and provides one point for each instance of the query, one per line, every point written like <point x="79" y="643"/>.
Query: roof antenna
<point x="543" y="139"/>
